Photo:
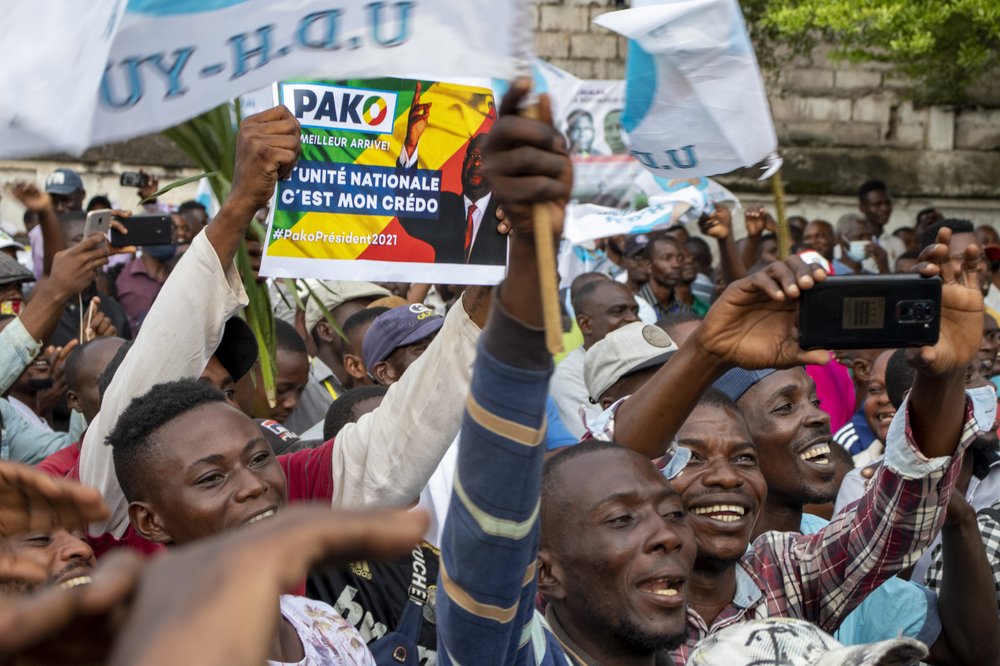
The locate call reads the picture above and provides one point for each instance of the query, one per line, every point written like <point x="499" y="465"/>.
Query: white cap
<point x="631" y="348"/>
<point x="794" y="642"/>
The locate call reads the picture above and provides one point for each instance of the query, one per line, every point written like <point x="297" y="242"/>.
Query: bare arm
<point x="967" y="600"/>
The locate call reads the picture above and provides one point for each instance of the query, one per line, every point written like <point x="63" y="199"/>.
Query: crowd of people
<point x="685" y="485"/>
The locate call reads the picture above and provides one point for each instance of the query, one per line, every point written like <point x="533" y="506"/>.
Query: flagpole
<point x="545" y="257"/>
<point x="784" y="236"/>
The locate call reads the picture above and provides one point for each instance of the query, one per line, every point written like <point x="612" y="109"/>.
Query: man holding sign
<point x="466" y="228"/>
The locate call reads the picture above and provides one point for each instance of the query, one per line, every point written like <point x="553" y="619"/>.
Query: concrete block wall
<point x="838" y="123"/>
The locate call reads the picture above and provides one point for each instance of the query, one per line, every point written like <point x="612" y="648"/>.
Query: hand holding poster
<point x="389" y="186"/>
<point x="695" y="101"/>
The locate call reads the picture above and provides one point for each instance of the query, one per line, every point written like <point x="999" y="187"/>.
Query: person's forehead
<point x="214" y="428"/>
<point x="877" y="196"/>
<point x="588" y="480"/>
<point x="792" y="380"/>
<point x="961" y="240"/>
<point x="714" y="423"/>
<point x="881" y="363"/>
<point x="611" y="293"/>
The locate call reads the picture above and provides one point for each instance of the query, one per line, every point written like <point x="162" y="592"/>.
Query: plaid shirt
<point x="989" y="528"/>
<point x="822" y="577"/>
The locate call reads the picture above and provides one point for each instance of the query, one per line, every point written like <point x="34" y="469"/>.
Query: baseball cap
<point x="794" y="642"/>
<point x="635" y="244"/>
<point x="63" y="181"/>
<point x="7" y="241"/>
<point x="738" y="381"/>
<point x="12" y="272"/>
<point x="631" y="348"/>
<point x="237" y="350"/>
<point x="334" y="293"/>
<point x="397" y="328"/>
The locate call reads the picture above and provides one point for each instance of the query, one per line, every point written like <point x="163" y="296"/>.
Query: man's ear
<point x="147" y="523"/>
<point x="356" y="368"/>
<point x="862" y="368"/>
<point x="384" y="373"/>
<point x="583" y="321"/>
<point x="550" y="576"/>
<point x="73" y="400"/>
<point x="325" y="332"/>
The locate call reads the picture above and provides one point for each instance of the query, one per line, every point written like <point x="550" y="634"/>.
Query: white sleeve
<point x="408" y="161"/>
<point x="387" y="457"/>
<point x="177" y="339"/>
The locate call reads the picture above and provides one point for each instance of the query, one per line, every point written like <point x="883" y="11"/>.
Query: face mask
<point x="160" y="252"/>
<point x="856" y="250"/>
<point x="984" y="406"/>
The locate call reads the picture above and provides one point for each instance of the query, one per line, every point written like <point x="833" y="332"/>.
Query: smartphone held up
<point x="870" y="312"/>
<point x="155" y="229"/>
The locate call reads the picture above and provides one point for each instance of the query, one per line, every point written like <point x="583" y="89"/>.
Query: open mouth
<point x="885" y="418"/>
<point x="666" y="588"/>
<point x="259" y="517"/>
<point x="818" y="453"/>
<point x="76" y="581"/>
<point x="724" y="513"/>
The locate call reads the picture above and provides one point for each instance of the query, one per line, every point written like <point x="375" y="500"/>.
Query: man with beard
<point x="64" y="555"/>
<point x="670" y="279"/>
<point x="465" y="230"/>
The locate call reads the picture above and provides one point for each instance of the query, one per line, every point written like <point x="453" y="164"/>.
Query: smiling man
<point x="65" y="556"/>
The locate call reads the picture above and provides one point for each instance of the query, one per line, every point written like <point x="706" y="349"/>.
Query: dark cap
<point x="635" y="244"/>
<point x="397" y="328"/>
<point x="63" y="182"/>
<point x="738" y="381"/>
<point x="11" y="272"/>
<point x="237" y="351"/>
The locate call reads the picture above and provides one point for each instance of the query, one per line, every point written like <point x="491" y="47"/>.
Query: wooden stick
<point x="784" y="235"/>
<point x="545" y="256"/>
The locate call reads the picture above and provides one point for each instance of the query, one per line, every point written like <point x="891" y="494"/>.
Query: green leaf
<point x="177" y="183"/>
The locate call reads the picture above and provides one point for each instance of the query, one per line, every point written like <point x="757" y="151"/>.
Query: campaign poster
<point x="389" y="185"/>
<point x="603" y="170"/>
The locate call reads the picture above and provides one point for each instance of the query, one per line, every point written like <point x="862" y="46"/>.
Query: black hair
<point x="870" y="186"/>
<point x="713" y="397"/>
<point x="909" y="254"/>
<point x="362" y="318"/>
<point x="287" y="339"/>
<point x="899" y="376"/>
<point x="341" y="411"/>
<point x="956" y="225"/>
<point x="660" y="237"/>
<point x="191" y="205"/>
<point x="585" y="292"/>
<point x="30" y="215"/>
<point x="676" y="319"/>
<point x="926" y="211"/>
<point x="74" y="361"/>
<point x="100" y="200"/>
<point x="568" y="453"/>
<point x="583" y="279"/>
<point x="104" y="381"/>
<point x="132" y="438"/>
<point x="903" y="230"/>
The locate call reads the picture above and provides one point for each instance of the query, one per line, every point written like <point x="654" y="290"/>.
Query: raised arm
<point x="490" y="538"/>
<point x="185" y="324"/>
<point x="40" y="202"/>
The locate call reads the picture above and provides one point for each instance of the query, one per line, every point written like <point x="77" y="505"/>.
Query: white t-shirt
<point x="327" y="638"/>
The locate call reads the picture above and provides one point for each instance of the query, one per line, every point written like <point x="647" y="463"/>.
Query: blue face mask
<point x="160" y="252"/>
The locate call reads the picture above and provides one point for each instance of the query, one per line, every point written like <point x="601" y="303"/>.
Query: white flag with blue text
<point x="695" y="101"/>
<point x="105" y="70"/>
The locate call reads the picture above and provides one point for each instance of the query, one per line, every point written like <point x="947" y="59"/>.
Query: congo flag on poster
<point x="389" y="185"/>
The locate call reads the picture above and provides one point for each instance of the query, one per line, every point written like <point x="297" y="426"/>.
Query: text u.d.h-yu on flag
<point x="106" y="70"/>
<point x="695" y="101"/>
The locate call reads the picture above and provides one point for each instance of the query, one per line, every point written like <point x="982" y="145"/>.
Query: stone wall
<point x="837" y="124"/>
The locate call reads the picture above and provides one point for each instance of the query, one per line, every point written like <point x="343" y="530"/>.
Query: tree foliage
<point x="942" y="46"/>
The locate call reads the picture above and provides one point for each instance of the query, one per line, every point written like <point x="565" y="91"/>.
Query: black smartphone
<point x="870" y="312"/>
<point x="134" y="179"/>
<point x="144" y="230"/>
